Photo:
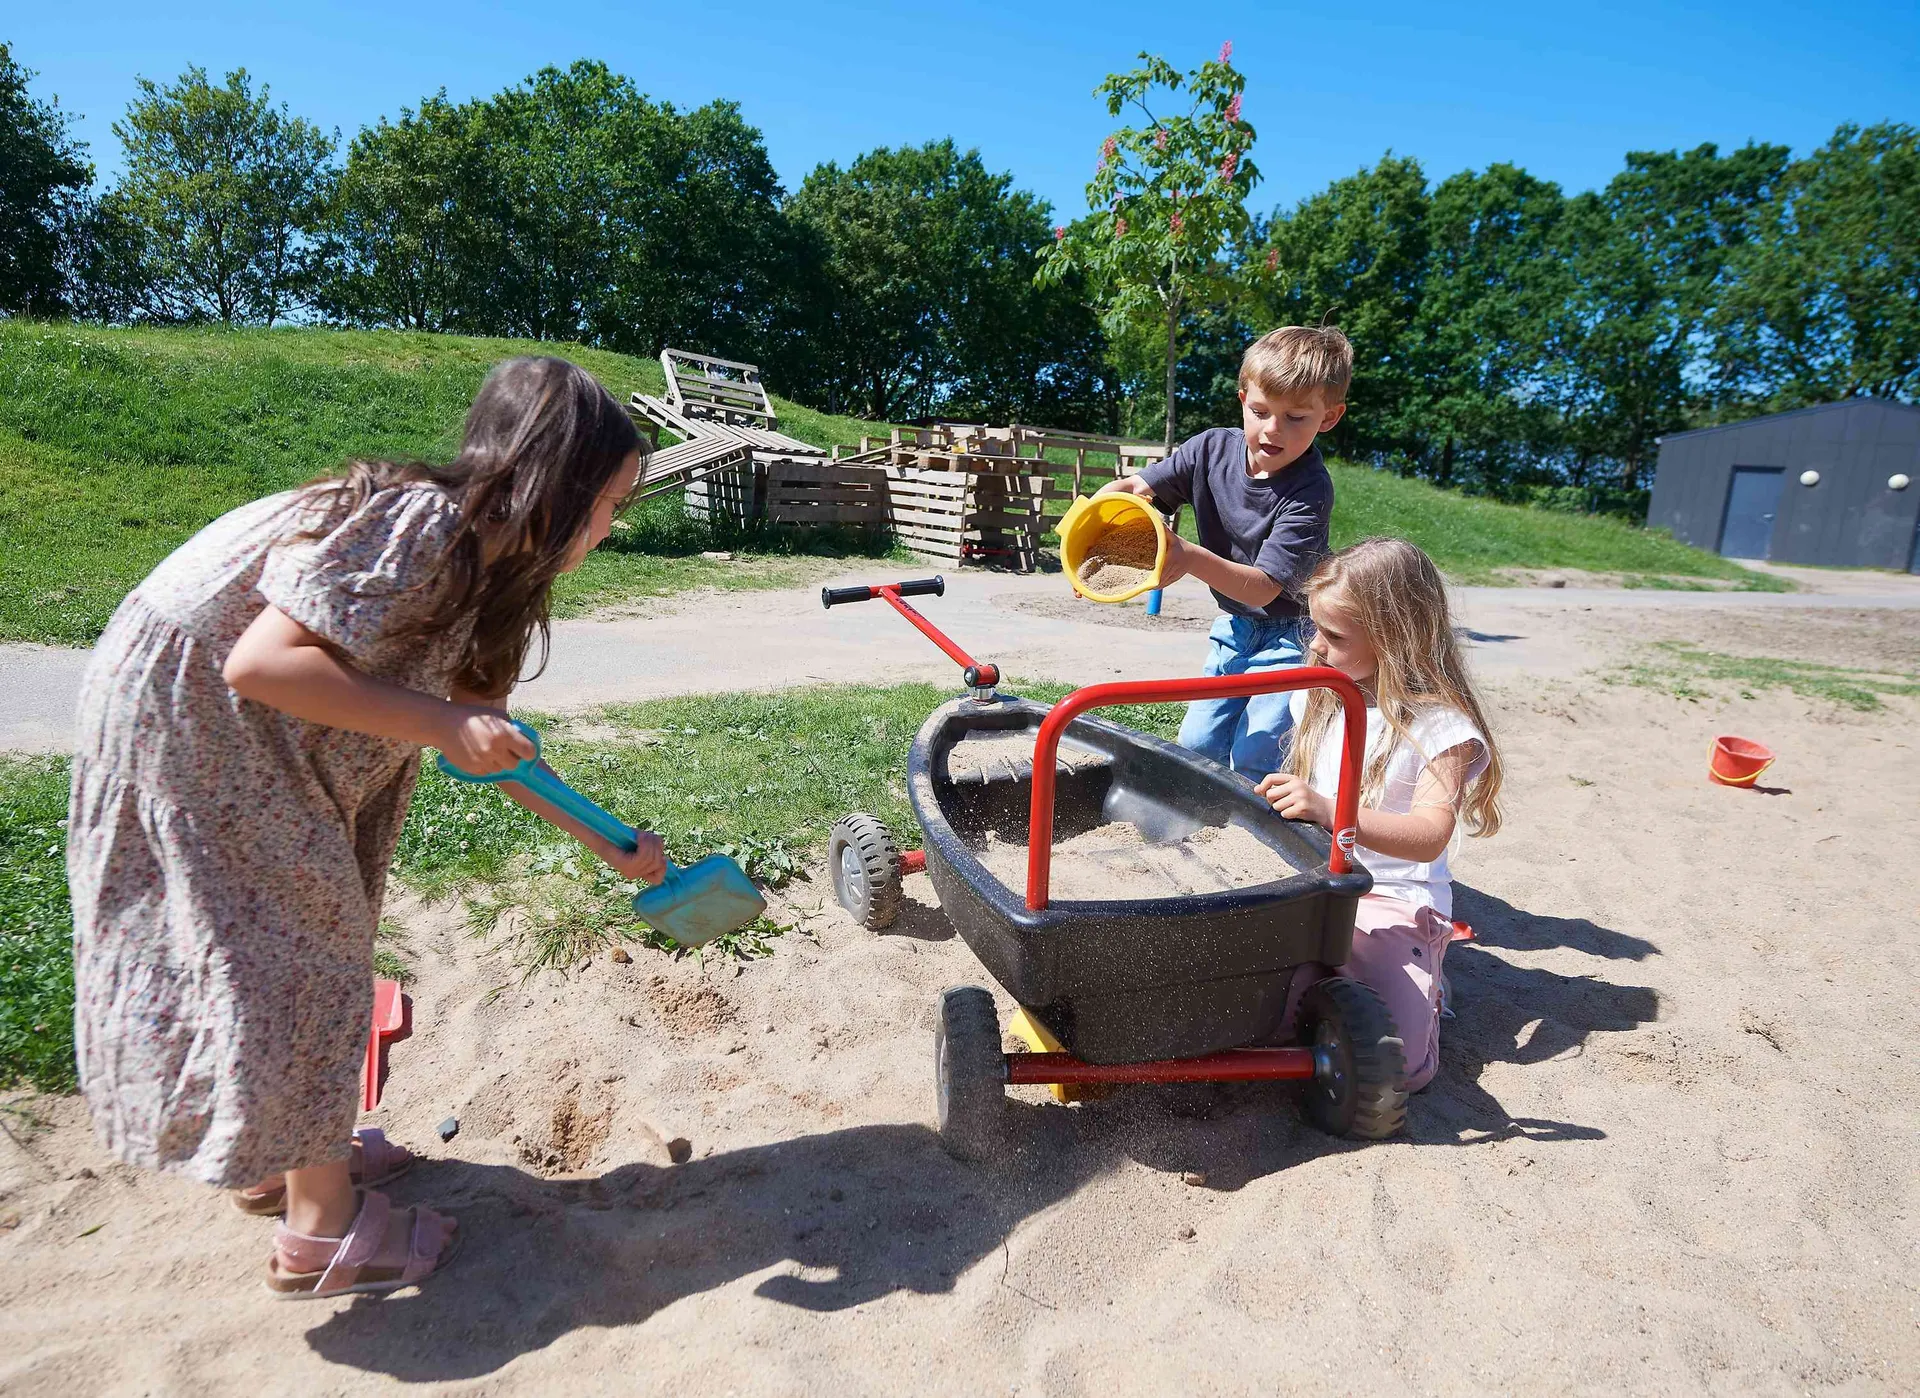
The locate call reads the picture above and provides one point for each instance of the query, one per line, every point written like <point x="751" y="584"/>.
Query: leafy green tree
<point x="226" y="192"/>
<point x="1355" y="255"/>
<point x="1169" y="199"/>
<point x="400" y="245"/>
<point x="923" y="289"/>
<point x="1492" y="307"/>
<point x="1825" y="297"/>
<point x="44" y="175"/>
<point x="1648" y="257"/>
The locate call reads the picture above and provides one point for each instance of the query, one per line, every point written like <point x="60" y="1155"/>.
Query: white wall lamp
<point x="1897" y="481"/>
<point x="1809" y="478"/>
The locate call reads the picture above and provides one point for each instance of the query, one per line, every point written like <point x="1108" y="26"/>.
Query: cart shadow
<point x="835" y="1220"/>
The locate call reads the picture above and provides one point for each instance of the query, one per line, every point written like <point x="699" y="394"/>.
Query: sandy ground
<point x="1670" y="1150"/>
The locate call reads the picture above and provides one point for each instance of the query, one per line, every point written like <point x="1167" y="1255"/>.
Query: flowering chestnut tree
<point x="1168" y="199"/>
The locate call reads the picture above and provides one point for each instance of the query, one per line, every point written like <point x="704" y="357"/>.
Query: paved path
<point x="1028" y="625"/>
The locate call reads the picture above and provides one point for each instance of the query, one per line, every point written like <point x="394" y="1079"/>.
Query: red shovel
<point x="389" y="1019"/>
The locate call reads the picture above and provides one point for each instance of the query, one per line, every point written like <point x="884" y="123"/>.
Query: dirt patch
<point x="690" y="1011"/>
<point x="1186" y="613"/>
<point x="577" y="1133"/>
<point x="1116" y="861"/>
<point x="1121" y="558"/>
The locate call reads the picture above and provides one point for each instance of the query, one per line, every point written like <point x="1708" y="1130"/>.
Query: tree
<point x="1648" y="257"/>
<point x="923" y="286"/>
<point x="1169" y="198"/>
<point x="399" y="246"/>
<point x="226" y="192"/>
<point x="1355" y="255"/>
<point x="44" y="175"/>
<point x="1492" y="307"/>
<point x="1824" y="302"/>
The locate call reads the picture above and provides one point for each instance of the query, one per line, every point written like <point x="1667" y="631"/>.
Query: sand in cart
<point x="1115" y="860"/>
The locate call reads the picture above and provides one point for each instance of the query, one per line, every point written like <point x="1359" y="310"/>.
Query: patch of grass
<point x="1686" y="671"/>
<point x="36" y="926"/>
<point x="116" y="445"/>
<point x="1472" y="539"/>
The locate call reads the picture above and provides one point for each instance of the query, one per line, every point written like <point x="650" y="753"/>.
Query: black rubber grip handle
<point x="919" y="587"/>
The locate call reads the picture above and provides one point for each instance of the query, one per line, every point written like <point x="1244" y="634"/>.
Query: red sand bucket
<point x="1737" y="761"/>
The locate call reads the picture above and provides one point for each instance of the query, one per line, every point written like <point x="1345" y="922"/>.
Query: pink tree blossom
<point x="1233" y="109"/>
<point x="1110" y="148"/>
<point x="1160" y="139"/>
<point x="1226" y="52"/>
<point x="1177" y="223"/>
<point x="1228" y="166"/>
<point x="1119" y="228"/>
<point x="1273" y="259"/>
<point x="1059" y="233"/>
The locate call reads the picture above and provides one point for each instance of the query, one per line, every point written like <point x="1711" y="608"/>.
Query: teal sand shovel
<point x="692" y="905"/>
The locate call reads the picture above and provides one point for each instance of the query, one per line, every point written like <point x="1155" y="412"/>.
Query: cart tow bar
<point x="980" y="677"/>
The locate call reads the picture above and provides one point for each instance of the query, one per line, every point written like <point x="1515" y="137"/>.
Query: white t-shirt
<point x="1435" y="730"/>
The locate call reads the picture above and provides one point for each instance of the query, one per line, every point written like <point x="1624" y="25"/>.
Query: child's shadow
<point x="1506" y="1013"/>
<point x="836" y="1220"/>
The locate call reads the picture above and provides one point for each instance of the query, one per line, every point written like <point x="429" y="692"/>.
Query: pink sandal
<point x="380" y="1163"/>
<point x="370" y="1260"/>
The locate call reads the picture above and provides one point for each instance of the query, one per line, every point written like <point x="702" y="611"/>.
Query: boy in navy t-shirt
<point x="1262" y="500"/>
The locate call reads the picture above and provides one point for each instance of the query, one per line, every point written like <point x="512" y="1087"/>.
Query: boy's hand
<point x="1294" y="799"/>
<point x="1179" y="558"/>
<point x="483" y="741"/>
<point x="646" y="863"/>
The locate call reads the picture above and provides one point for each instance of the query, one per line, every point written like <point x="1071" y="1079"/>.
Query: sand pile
<point x="1121" y="558"/>
<point x="1115" y="861"/>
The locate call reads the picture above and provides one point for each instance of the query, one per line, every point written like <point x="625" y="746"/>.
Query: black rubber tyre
<point x="1359" y="1087"/>
<point x="970" y="1075"/>
<point x="865" y="863"/>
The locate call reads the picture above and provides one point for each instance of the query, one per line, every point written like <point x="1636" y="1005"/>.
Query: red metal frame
<point x="1234" y="1065"/>
<point x="985" y="675"/>
<point x="1346" y="803"/>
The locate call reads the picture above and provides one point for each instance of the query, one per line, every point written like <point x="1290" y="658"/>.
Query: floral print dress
<point x="227" y="860"/>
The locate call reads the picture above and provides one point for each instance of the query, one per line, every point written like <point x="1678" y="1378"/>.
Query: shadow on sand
<point x="842" y="1218"/>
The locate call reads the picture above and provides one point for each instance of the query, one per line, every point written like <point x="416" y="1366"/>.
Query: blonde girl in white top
<point x="1380" y="617"/>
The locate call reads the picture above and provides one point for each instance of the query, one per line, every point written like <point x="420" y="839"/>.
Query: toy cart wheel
<point x="1359" y="1085"/>
<point x="970" y="1075"/>
<point x="866" y="870"/>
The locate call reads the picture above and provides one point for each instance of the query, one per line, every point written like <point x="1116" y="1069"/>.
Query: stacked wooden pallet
<point x="723" y="389"/>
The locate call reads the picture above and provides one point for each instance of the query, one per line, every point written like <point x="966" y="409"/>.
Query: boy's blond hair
<point x="1300" y="359"/>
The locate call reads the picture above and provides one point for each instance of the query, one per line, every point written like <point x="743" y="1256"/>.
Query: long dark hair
<point x="541" y="442"/>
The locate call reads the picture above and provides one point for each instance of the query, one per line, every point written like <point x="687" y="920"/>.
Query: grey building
<point x="1837" y="485"/>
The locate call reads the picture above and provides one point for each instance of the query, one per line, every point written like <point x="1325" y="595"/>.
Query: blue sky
<point x="1558" y="88"/>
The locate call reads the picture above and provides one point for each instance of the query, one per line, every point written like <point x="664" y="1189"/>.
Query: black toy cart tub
<point x="1153" y="990"/>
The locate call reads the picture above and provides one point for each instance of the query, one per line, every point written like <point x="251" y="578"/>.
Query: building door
<point x="1752" y="501"/>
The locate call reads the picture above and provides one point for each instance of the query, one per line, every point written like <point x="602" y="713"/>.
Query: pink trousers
<point x="1397" y="951"/>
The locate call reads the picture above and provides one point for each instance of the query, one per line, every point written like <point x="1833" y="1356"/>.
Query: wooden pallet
<point x="725" y="390"/>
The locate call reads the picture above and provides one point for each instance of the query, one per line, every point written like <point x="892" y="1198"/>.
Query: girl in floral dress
<point x="249" y="735"/>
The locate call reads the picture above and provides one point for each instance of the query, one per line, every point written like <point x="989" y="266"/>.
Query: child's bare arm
<point x="280" y="663"/>
<point x="1420" y="836"/>
<point x="647" y="862"/>
<point x="1241" y="581"/>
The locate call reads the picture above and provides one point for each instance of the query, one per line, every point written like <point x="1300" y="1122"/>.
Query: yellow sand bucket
<point x="1090" y="519"/>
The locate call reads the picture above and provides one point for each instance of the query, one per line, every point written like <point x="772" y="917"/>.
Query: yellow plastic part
<point x="1034" y="1035"/>
<point x="1091" y="516"/>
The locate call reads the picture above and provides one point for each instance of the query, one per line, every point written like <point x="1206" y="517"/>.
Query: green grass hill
<point x="117" y="444"/>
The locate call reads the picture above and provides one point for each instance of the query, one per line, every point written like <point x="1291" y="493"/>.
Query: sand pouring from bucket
<point x="691" y="905"/>
<point x="1737" y="761"/>
<point x="1090" y="519"/>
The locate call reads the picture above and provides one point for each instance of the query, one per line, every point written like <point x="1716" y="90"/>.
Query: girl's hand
<point x="483" y="741"/>
<point x="647" y="863"/>
<point x="1294" y="799"/>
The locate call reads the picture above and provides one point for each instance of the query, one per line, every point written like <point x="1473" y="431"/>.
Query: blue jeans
<point x="1244" y="734"/>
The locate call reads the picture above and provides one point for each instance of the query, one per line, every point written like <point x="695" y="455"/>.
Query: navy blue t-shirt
<point x="1277" y="524"/>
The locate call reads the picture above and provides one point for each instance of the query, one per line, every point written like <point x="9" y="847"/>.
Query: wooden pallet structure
<point x="956" y="492"/>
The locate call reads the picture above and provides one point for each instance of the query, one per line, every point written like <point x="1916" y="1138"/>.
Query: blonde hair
<point x="1300" y="359"/>
<point x="1396" y="595"/>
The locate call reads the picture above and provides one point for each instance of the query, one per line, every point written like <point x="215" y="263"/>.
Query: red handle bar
<point x="1046" y="746"/>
